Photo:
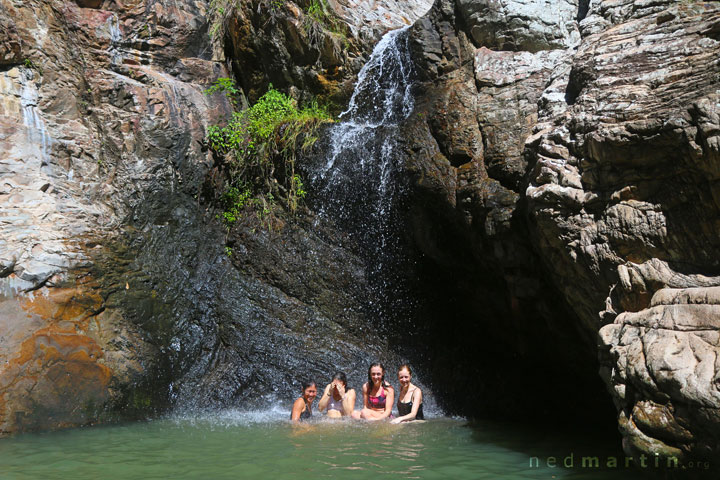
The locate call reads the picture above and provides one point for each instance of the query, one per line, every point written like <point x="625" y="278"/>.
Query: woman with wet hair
<point x="378" y="395"/>
<point x="409" y="398"/>
<point x="337" y="399"/>
<point x="302" y="408"/>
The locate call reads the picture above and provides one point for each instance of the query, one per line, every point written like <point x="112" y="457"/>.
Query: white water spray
<point x="363" y="144"/>
<point x="113" y="24"/>
<point x="29" y="97"/>
<point x="359" y="185"/>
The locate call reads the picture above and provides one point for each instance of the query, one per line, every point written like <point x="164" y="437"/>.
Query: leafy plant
<point x="32" y="65"/>
<point x="226" y="85"/>
<point x="315" y="10"/>
<point x="259" y="146"/>
<point x="234" y="201"/>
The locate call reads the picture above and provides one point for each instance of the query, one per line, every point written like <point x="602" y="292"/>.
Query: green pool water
<point x="231" y="445"/>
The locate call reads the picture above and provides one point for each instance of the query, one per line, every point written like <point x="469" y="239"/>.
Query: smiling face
<point x="404" y="377"/>
<point x="376" y="374"/>
<point x="310" y="393"/>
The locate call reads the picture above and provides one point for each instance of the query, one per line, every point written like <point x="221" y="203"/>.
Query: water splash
<point x="382" y="94"/>
<point x="277" y="414"/>
<point x="362" y="146"/>
<point x="358" y="185"/>
<point x="382" y="98"/>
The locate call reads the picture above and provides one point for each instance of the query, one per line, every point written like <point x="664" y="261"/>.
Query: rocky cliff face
<point x="117" y="293"/>
<point x="625" y="177"/>
<point x="88" y="127"/>
<point x="579" y="144"/>
<point x="562" y="158"/>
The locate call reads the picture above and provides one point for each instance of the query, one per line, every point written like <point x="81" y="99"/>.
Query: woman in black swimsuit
<point x="302" y="408"/>
<point x="409" y="398"/>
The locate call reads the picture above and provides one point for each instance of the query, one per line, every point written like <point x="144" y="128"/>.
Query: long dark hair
<point x="342" y="377"/>
<point x="382" y="379"/>
<point x="307" y="384"/>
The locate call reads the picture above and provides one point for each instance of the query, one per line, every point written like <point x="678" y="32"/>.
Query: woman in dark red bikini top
<point x="378" y="395"/>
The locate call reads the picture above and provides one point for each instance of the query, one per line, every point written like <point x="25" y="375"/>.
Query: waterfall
<point x="29" y="97"/>
<point x="381" y="100"/>
<point x="115" y="33"/>
<point x="357" y="186"/>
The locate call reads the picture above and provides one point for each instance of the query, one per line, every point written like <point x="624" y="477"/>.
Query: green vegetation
<point x="321" y="13"/>
<point x="218" y="11"/>
<point x="28" y="63"/>
<point x="276" y="4"/>
<point x="259" y="146"/>
<point x="227" y="86"/>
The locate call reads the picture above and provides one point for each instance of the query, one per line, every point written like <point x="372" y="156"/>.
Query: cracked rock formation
<point x="563" y="158"/>
<point x="117" y="296"/>
<point x="622" y="198"/>
<point x="579" y="142"/>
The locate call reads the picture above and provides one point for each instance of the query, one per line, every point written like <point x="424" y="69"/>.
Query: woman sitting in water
<point x="378" y="395"/>
<point x="337" y="398"/>
<point x="302" y="408"/>
<point x="409" y="398"/>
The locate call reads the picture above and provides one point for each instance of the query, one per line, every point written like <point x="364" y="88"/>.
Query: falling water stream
<point x="356" y="186"/>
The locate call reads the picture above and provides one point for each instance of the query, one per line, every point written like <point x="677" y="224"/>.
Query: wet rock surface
<point x="310" y="54"/>
<point x="591" y="167"/>
<point x="117" y="294"/>
<point x="86" y="132"/>
<point x="562" y="168"/>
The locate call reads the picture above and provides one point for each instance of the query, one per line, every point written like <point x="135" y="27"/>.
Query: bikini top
<point x="377" y="403"/>
<point x="335" y="404"/>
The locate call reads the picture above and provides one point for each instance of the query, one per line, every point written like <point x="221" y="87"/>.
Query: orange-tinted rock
<point x="54" y="370"/>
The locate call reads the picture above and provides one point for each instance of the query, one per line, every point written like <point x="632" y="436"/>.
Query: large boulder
<point x="622" y="203"/>
<point x="577" y="143"/>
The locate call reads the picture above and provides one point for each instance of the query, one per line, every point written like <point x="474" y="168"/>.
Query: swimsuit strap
<point x="400" y="398"/>
<point x="412" y="394"/>
<point x="381" y="389"/>
<point x="307" y="405"/>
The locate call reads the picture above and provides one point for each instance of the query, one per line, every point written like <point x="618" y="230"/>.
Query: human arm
<point x="322" y="404"/>
<point x="416" y="400"/>
<point x="297" y="409"/>
<point x="349" y="402"/>
<point x="389" y="399"/>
